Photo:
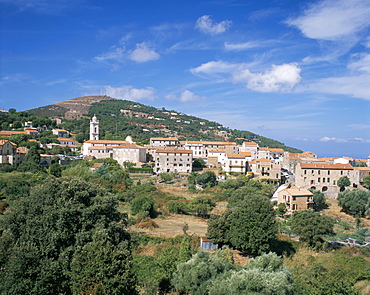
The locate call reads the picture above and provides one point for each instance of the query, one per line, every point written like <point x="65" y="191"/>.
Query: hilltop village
<point x="298" y="171"/>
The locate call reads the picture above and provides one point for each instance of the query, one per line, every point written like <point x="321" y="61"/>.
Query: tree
<point x="366" y="182"/>
<point x="281" y="209"/>
<point x="198" y="163"/>
<point x="207" y="178"/>
<point x="318" y="198"/>
<point x="353" y="202"/>
<point x="31" y="162"/>
<point x="360" y="164"/>
<point x="310" y="226"/>
<point x="65" y="220"/>
<point x="166" y="177"/>
<point x="343" y="182"/>
<point x="202" y="205"/>
<point x="251" y="227"/>
<point x="55" y="169"/>
<point x="195" y="275"/>
<point x="143" y="204"/>
<point x="265" y="274"/>
<point x="80" y="137"/>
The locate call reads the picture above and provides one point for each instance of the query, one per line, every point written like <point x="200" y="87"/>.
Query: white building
<point x="94" y="129"/>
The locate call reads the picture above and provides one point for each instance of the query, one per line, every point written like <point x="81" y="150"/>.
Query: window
<point x="328" y="179"/>
<point x="294" y="206"/>
<point x="318" y="172"/>
<point x="323" y="179"/>
<point x="305" y="171"/>
<point x="328" y="172"/>
<point x="293" y="198"/>
<point x="333" y="182"/>
<point x="319" y="179"/>
<point x="341" y="172"/>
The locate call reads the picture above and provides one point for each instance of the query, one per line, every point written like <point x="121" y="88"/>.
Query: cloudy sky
<point x="295" y="71"/>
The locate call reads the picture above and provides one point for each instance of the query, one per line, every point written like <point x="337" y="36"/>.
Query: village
<point x="292" y="173"/>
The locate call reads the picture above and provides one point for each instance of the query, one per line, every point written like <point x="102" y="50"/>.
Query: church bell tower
<point x="94" y="128"/>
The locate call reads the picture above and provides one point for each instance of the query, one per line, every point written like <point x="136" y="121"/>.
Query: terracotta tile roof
<point x="298" y="192"/>
<point x="62" y="130"/>
<point x="247" y="154"/>
<point x="326" y="166"/>
<point x="10" y="133"/>
<point x="249" y="143"/>
<point x="22" y="150"/>
<point x="96" y="165"/>
<point x="277" y="150"/>
<point x="235" y="156"/>
<point x="214" y="151"/>
<point x="118" y="142"/>
<point x="263" y="160"/>
<point x="4" y="141"/>
<point x="264" y="149"/>
<point x="129" y="146"/>
<point x="174" y="151"/>
<point x="362" y="168"/>
<point x="211" y="142"/>
<point x="65" y="139"/>
<point x="164" y="138"/>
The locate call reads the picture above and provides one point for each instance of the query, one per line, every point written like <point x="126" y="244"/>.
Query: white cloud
<point x="334" y="139"/>
<point x="362" y="63"/>
<point x="333" y="19"/>
<point x="280" y="78"/>
<point x="214" y="67"/>
<point x="206" y="25"/>
<point x="186" y="96"/>
<point x="115" y="54"/>
<point x="240" y="46"/>
<point x="355" y="86"/>
<point x="129" y="93"/>
<point x="359" y="126"/>
<point x="143" y="53"/>
<point x="328" y="139"/>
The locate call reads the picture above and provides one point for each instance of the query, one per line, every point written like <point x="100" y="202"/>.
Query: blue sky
<point x="295" y="71"/>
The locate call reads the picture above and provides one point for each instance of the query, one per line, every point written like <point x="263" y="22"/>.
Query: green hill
<point x="120" y="118"/>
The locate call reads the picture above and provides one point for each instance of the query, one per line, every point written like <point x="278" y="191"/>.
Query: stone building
<point x="173" y="160"/>
<point x="296" y="199"/>
<point x="323" y="177"/>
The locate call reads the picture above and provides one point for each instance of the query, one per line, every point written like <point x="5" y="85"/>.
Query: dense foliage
<point x="311" y="226"/>
<point x="354" y="201"/>
<point x="332" y="272"/>
<point x="251" y="227"/>
<point x="216" y="275"/>
<point x="67" y="237"/>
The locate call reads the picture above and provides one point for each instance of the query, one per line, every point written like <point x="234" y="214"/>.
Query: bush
<point x="177" y="207"/>
<point x="142" y="204"/>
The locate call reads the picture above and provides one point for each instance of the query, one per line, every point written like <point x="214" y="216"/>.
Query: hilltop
<point x="75" y="108"/>
<point x="119" y="118"/>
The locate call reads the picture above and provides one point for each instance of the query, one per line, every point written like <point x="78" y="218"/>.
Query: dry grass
<point x="334" y="211"/>
<point x="176" y="191"/>
<point x="173" y="224"/>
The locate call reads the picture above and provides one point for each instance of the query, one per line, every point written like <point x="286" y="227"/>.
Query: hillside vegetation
<point x="120" y="118"/>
